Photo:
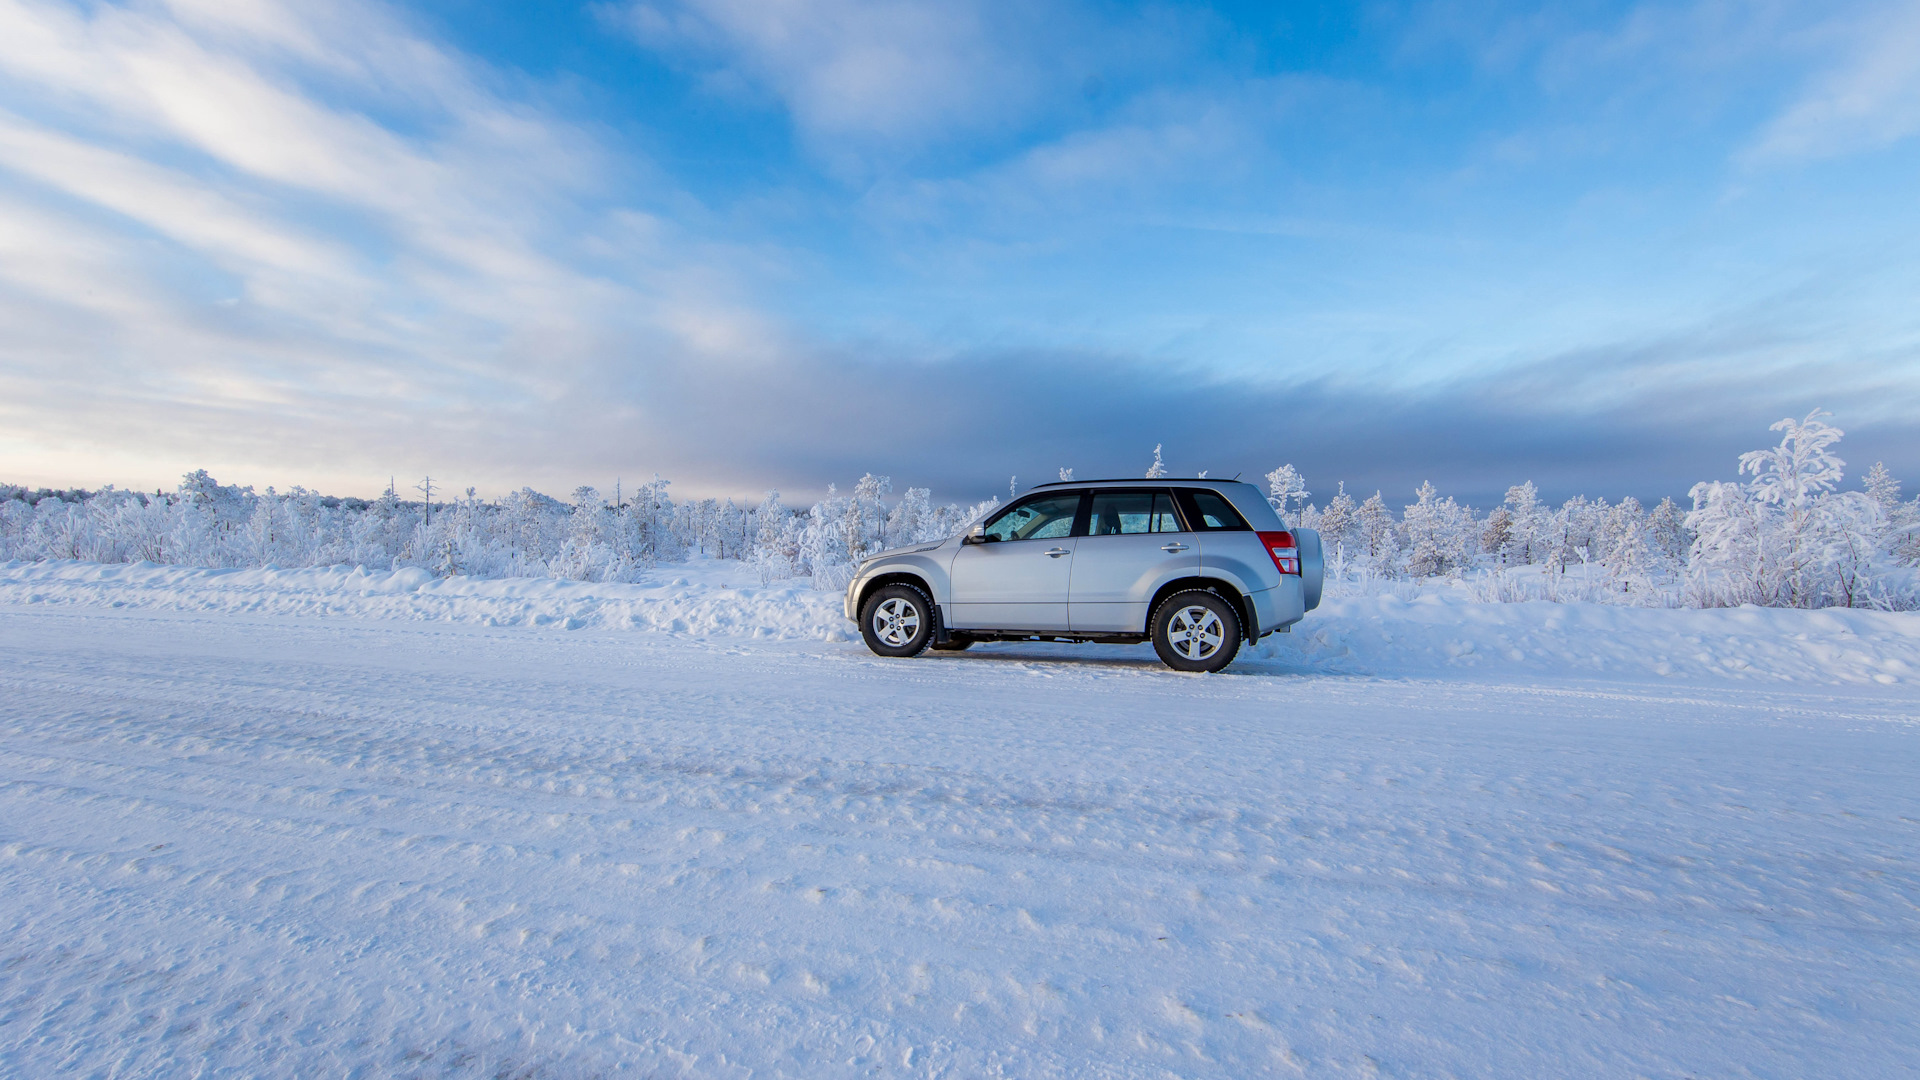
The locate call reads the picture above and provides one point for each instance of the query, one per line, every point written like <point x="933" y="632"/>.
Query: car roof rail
<point x="1136" y="480"/>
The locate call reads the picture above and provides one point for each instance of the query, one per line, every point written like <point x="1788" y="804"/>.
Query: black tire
<point x="897" y="620"/>
<point x="1196" y="630"/>
<point x="955" y="643"/>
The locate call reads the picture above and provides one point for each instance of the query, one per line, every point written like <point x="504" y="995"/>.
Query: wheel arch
<point x="894" y="577"/>
<point x="1242" y="604"/>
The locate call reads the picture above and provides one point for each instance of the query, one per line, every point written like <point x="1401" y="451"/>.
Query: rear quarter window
<point x="1211" y="512"/>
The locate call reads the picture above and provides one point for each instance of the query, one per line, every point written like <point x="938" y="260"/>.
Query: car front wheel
<point x="1196" y="631"/>
<point x="897" y="620"/>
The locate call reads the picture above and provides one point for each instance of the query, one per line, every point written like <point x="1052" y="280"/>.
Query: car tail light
<point x="1285" y="551"/>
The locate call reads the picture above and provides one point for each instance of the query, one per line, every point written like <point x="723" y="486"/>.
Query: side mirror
<point x="976" y="535"/>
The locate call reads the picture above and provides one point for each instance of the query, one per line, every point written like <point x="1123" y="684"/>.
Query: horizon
<point x="409" y="493"/>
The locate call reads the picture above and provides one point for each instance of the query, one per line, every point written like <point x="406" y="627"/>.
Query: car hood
<point x="908" y="549"/>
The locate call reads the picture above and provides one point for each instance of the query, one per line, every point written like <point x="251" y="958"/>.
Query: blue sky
<point x="751" y="243"/>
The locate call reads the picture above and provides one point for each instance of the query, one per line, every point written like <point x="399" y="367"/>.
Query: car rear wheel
<point x="1196" y="630"/>
<point x="897" y="620"/>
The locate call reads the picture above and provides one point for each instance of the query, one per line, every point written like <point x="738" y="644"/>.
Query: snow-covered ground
<point x="299" y="823"/>
<point x="1438" y="632"/>
<point x="702" y="597"/>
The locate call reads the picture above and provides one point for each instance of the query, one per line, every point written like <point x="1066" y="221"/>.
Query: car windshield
<point x="1045" y="518"/>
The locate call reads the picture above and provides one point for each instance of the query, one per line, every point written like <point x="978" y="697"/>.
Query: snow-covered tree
<point x="1882" y="488"/>
<point x="1158" y="469"/>
<point x="1377" y="548"/>
<point x="1581" y="521"/>
<point x="1667" y="531"/>
<point x="954" y="520"/>
<point x="1527" y="526"/>
<point x="1784" y="534"/>
<point x="1286" y="488"/>
<point x="1730" y="559"/>
<point x="1791" y="478"/>
<point x="1850" y="557"/>
<point x="776" y="542"/>
<point x="525" y="533"/>
<point x="1336" y="524"/>
<point x="1795" y="473"/>
<point x="1788" y="537"/>
<point x="1626" y="549"/>
<point x="1547" y="544"/>
<point x="864" y="518"/>
<point x="1900" y="529"/>
<point x="911" y="518"/>
<point x="1439" y="532"/>
<point x="1497" y="532"/>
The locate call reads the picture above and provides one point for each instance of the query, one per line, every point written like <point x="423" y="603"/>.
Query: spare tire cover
<point x="1313" y="565"/>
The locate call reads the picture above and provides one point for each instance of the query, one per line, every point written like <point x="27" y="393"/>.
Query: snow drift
<point x="1437" y="632"/>
<point x="699" y="597"/>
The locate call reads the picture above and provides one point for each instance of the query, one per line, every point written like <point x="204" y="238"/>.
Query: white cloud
<point x="193" y="213"/>
<point x="297" y="242"/>
<point x="277" y="237"/>
<point x="1869" y="99"/>
<point x="889" y="69"/>
<point x="871" y="83"/>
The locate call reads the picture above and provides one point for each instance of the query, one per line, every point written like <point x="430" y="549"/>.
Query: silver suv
<point x="1195" y="566"/>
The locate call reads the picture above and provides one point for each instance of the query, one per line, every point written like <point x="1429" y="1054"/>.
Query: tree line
<point x="1785" y="534"/>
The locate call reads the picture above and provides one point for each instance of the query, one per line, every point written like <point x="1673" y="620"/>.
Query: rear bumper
<point x="1282" y="605"/>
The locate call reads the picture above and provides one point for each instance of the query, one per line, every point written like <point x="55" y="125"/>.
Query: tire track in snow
<point x="587" y="855"/>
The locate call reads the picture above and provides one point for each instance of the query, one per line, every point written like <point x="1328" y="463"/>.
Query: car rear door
<point x="1135" y="543"/>
<point x="1018" y="579"/>
<point x="1232" y="549"/>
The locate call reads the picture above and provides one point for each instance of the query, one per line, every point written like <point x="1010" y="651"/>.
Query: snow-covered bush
<point x="1440" y="534"/>
<point x="524" y="534"/>
<point x="1286" y="488"/>
<point x="1788" y="536"/>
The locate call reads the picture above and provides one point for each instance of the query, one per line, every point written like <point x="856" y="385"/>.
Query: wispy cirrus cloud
<point x="315" y="243"/>
<point x="891" y="69"/>
<point x="1868" y="97"/>
<point x="245" y="227"/>
<point x="870" y="81"/>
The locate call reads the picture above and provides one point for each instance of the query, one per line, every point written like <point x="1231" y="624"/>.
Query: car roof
<point x="1139" y="481"/>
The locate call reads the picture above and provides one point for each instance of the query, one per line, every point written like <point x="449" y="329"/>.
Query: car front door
<point x="1017" y="577"/>
<point x="1134" y="544"/>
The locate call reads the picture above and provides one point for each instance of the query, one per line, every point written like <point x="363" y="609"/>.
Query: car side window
<point x="1213" y="512"/>
<point x="1047" y="518"/>
<point x="1165" y="518"/>
<point x="1122" y="513"/>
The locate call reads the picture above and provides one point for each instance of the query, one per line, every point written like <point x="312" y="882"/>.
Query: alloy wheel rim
<point x="895" y="622"/>
<point x="1195" y="632"/>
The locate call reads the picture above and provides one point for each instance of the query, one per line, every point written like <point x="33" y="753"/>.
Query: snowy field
<point x="317" y="822"/>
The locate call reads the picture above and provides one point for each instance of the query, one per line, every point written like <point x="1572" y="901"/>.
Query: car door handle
<point x="1057" y="552"/>
<point x="1173" y="548"/>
